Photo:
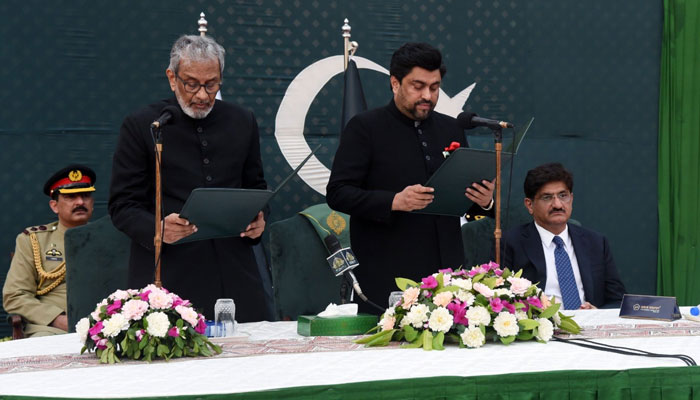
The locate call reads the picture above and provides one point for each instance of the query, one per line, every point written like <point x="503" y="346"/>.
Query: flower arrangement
<point x="143" y="325"/>
<point x="470" y="307"/>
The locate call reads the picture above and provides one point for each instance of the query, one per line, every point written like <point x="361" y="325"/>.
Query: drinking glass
<point x="224" y="314"/>
<point x="394" y="298"/>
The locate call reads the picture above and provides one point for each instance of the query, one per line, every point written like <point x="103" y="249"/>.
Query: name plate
<point x="663" y="308"/>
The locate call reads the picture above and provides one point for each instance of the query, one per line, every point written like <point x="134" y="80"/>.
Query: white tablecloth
<point x="271" y="371"/>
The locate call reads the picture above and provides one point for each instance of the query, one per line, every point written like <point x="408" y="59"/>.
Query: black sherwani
<point x="522" y="249"/>
<point x="221" y="150"/>
<point x="380" y="153"/>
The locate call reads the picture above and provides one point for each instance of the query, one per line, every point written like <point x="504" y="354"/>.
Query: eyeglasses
<point x="564" y="197"/>
<point x="193" y="87"/>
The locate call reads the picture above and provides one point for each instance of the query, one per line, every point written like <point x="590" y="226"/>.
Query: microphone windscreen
<point x="465" y="120"/>
<point x="173" y="110"/>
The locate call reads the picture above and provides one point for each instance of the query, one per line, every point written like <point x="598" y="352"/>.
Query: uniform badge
<point x="54" y="255"/>
<point x="75" y="175"/>
<point x="336" y="222"/>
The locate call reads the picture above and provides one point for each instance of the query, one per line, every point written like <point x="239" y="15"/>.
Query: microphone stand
<point x="158" y="238"/>
<point x="498" y="144"/>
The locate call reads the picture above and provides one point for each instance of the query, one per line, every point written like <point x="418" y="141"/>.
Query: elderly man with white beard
<point x="210" y="143"/>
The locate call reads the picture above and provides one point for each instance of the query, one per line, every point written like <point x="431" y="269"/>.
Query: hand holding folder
<point x="226" y="212"/>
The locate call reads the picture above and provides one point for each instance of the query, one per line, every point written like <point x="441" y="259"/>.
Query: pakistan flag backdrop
<point x="587" y="71"/>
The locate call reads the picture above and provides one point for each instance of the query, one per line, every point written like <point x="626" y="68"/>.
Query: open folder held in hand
<point x="462" y="168"/>
<point x="225" y="212"/>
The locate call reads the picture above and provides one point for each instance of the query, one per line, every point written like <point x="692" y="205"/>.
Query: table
<point x="342" y="370"/>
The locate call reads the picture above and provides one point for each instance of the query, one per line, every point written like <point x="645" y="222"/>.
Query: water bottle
<point x="224" y="314"/>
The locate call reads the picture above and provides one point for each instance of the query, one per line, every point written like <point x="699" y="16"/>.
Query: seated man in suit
<point x="571" y="263"/>
<point x="35" y="287"/>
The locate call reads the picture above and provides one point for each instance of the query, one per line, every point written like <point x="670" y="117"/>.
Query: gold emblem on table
<point x="336" y="222"/>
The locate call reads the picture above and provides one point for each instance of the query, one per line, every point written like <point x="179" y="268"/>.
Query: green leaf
<point x="519" y="273"/>
<point x="161" y="350"/>
<point x="404" y="283"/>
<point x="136" y="355"/>
<point x="528" y="324"/>
<point x="477" y="278"/>
<point x="569" y="325"/>
<point x="179" y="342"/>
<point x="143" y="343"/>
<point x="490" y="281"/>
<point x="438" y="341"/>
<point x="410" y="333"/>
<point x="416" y="343"/>
<point x="427" y="340"/>
<point x="506" y="273"/>
<point x="507" y="339"/>
<point x="451" y="288"/>
<point x="440" y="280"/>
<point x="550" y="311"/>
<point x="179" y="323"/>
<point x="378" y="339"/>
<point x="525" y="335"/>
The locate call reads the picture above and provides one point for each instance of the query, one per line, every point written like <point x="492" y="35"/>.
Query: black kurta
<point x="380" y="153"/>
<point x="221" y="150"/>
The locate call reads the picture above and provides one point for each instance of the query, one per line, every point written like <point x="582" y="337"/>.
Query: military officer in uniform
<point x="35" y="287"/>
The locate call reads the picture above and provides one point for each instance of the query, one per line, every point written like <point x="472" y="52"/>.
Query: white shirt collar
<point x="547" y="236"/>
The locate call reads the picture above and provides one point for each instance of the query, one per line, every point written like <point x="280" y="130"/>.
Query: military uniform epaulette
<point x="40" y="228"/>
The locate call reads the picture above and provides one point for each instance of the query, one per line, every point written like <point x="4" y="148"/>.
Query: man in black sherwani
<point x="383" y="158"/>
<point x="211" y="144"/>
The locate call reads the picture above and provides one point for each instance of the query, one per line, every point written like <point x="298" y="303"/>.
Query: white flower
<point x="417" y="315"/>
<point x="96" y="314"/>
<point x="466" y="297"/>
<point x="520" y="315"/>
<point x="115" y="324"/>
<point x="119" y="295"/>
<point x="519" y="285"/>
<point x="158" y="324"/>
<point x="442" y="299"/>
<point x="557" y="319"/>
<point x="545" y="330"/>
<point x="505" y="324"/>
<point x="478" y="316"/>
<point x="472" y="337"/>
<point x="462" y="283"/>
<point x="82" y="328"/>
<point x="188" y="314"/>
<point x="502" y="292"/>
<point x="440" y="320"/>
<point x="390" y="311"/>
<point x="446" y="279"/>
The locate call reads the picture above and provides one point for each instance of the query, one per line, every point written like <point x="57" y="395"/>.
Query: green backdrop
<point x="587" y="71"/>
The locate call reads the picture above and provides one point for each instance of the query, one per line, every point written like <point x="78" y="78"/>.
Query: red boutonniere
<point x="452" y="147"/>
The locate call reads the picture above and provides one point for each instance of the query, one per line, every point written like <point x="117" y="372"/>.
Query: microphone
<point x="342" y="261"/>
<point x="167" y="114"/>
<point x="469" y="120"/>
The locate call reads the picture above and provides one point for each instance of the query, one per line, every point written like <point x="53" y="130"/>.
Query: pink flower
<point x="519" y="285"/>
<point x="445" y="271"/>
<point x="139" y="334"/>
<point x="429" y="283"/>
<point x="498" y="272"/>
<point x="114" y="307"/>
<point x="159" y="299"/>
<point x="534" y="301"/>
<point x="527" y="306"/>
<point x="174" y="332"/>
<point x="119" y="295"/>
<point x="459" y="311"/>
<point x="491" y="265"/>
<point x="496" y="305"/>
<point x="201" y="325"/>
<point x="545" y="301"/>
<point x="483" y="289"/>
<point x="188" y="314"/>
<point x="410" y="296"/>
<point x="427" y="293"/>
<point x="134" y="309"/>
<point x="387" y="323"/>
<point x="144" y="295"/>
<point x="459" y="273"/>
<point x="476" y="271"/>
<point x="96" y="329"/>
<point x="101" y="344"/>
<point x="508" y="306"/>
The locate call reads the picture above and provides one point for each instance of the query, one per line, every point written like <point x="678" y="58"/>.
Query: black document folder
<point x="462" y="168"/>
<point x="226" y="212"/>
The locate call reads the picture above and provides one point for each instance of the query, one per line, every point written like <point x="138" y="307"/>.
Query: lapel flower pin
<point x="452" y="147"/>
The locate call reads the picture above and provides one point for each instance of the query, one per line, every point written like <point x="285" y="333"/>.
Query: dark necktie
<point x="565" y="273"/>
